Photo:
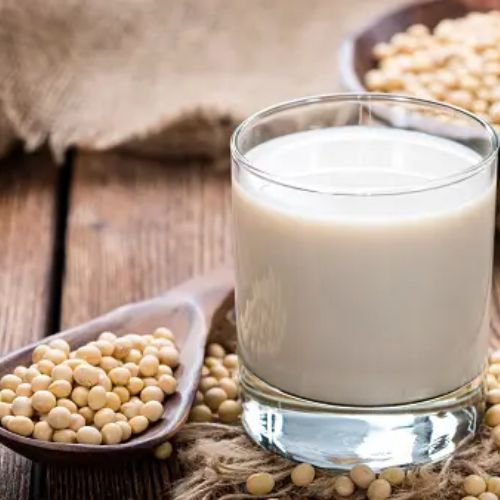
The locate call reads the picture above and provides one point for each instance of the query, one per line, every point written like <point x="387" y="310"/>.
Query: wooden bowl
<point x="355" y="57"/>
<point x="189" y="311"/>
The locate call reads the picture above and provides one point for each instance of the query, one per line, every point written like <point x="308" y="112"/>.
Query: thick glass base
<point x="339" y="437"/>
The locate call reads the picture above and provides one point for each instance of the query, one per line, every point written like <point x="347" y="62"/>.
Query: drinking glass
<point x="363" y="235"/>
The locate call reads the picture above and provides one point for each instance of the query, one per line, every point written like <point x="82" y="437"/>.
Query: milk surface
<point x="365" y="299"/>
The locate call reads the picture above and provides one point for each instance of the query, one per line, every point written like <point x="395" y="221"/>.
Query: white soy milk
<point x="365" y="299"/>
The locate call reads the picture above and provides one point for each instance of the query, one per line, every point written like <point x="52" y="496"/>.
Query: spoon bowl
<point x="188" y="310"/>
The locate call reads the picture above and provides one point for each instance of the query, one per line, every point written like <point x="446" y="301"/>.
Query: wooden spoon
<point x="188" y="310"/>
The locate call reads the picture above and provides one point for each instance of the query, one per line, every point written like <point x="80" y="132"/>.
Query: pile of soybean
<point x="100" y="393"/>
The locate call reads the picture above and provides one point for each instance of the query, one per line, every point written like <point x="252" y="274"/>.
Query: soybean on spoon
<point x="188" y="310"/>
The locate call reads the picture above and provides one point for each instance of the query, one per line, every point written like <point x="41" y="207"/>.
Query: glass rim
<point x="440" y="182"/>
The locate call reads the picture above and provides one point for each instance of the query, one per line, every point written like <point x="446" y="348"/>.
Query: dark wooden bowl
<point x="355" y="57"/>
<point x="188" y="310"/>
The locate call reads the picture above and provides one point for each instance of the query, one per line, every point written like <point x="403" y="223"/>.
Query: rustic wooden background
<point x="100" y="231"/>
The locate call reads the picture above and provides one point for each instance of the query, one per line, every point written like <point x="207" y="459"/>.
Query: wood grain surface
<point x="135" y="228"/>
<point x="27" y="223"/>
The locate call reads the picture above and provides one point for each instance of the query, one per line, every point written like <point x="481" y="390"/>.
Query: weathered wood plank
<point x="135" y="228"/>
<point x="27" y="210"/>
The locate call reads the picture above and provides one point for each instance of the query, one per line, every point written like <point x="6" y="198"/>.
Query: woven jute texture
<point x="161" y="77"/>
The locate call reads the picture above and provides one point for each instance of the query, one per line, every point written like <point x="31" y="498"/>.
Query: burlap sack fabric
<point x="160" y="77"/>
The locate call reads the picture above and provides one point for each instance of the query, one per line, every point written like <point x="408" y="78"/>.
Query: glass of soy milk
<point x="363" y="229"/>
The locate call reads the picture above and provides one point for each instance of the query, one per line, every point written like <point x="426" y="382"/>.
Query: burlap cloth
<point x="216" y="459"/>
<point x="161" y="77"/>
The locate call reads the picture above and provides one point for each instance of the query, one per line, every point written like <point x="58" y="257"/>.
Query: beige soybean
<point x="138" y="424"/>
<point x="42" y="431"/>
<point x="86" y="375"/>
<point x="111" y="433"/>
<point x="219" y="372"/>
<point x="135" y="385"/>
<point x="133" y="368"/>
<point x="87" y="413"/>
<point x="214" y="397"/>
<point x="113" y="401"/>
<point x="38" y="352"/>
<point x="60" y="344"/>
<point x="474" y="485"/>
<point x="229" y="411"/>
<point x="107" y="336"/>
<point x="108" y="363"/>
<point x="40" y="383"/>
<point x="134" y="356"/>
<point x="5" y="409"/>
<point x="122" y="393"/>
<point x="302" y="475"/>
<point x="216" y="350"/>
<point x="21" y="406"/>
<point x="24" y="389"/>
<point x="169" y="356"/>
<point x="97" y="397"/>
<point x="90" y="353"/>
<point x="31" y="374"/>
<point x="210" y="361"/>
<point x="167" y="383"/>
<point x="43" y="401"/>
<point x="80" y="395"/>
<point x="492" y="416"/>
<point x="105" y="381"/>
<point x="152" y="393"/>
<point x="21" y="425"/>
<point x="88" y="435"/>
<point x="10" y="381"/>
<point x="488" y="496"/>
<point x="149" y="381"/>
<point x="165" y="370"/>
<point x="104" y="416"/>
<point x="344" y="486"/>
<point x="7" y="395"/>
<point x="362" y="476"/>
<point x="151" y="350"/>
<point x="164" y="333"/>
<point x="130" y="409"/>
<point x="152" y="410"/>
<point x="119" y="375"/>
<point x="59" y="418"/>
<point x="5" y="420"/>
<point x="231" y="361"/>
<point x="379" y="489"/>
<point x="148" y="366"/>
<point x="20" y="371"/>
<point x="493" y="485"/>
<point x="126" y="430"/>
<point x="105" y="346"/>
<point x="76" y="422"/>
<point x="163" y="451"/>
<point x="395" y="475"/>
<point x="60" y="388"/>
<point x="260" y="483"/>
<point x="122" y="348"/>
<point x="200" y="413"/>
<point x="229" y="387"/>
<point x="45" y="366"/>
<point x="493" y="396"/>
<point x="62" y="372"/>
<point x="64" y="436"/>
<point x="55" y="356"/>
<point x="207" y="383"/>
